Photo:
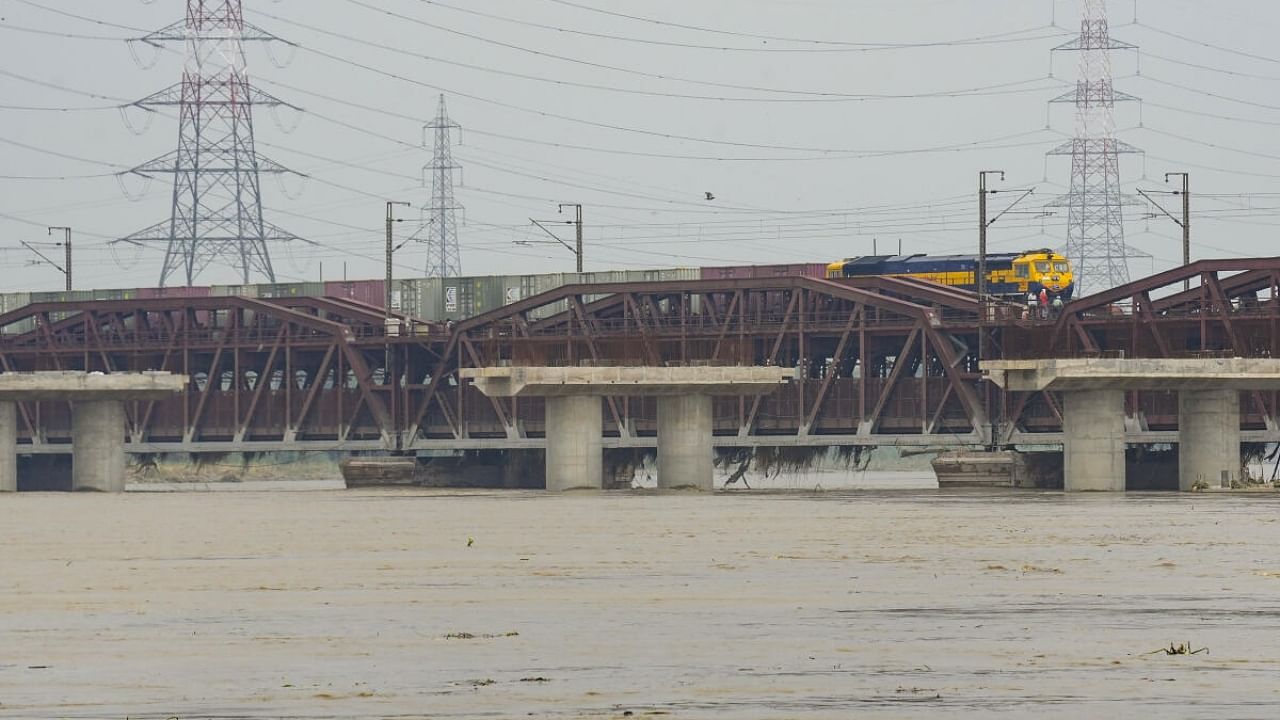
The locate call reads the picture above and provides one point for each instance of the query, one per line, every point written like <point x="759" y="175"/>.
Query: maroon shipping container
<point x="174" y="292"/>
<point x="369" y="292"/>
<point x="738" y="272"/>
<point x="731" y="272"/>
<point x="814" y="270"/>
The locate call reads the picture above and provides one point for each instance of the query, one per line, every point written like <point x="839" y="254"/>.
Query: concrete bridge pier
<point x="97" y="419"/>
<point x="1093" y="427"/>
<point x="1208" y="438"/>
<point x="685" y="454"/>
<point x="575" y="455"/>
<point x="1093" y="448"/>
<point x="97" y="451"/>
<point x="8" y="446"/>
<point x="575" y="423"/>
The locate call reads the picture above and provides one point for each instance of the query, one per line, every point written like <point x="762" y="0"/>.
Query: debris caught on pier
<point x="773" y="461"/>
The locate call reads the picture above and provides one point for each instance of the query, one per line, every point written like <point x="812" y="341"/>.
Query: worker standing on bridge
<point x="1057" y="305"/>
<point x="1044" y="303"/>
<point x="1031" y="304"/>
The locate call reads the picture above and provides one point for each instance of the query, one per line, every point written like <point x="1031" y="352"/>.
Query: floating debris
<point x="473" y="636"/>
<point x="1180" y="649"/>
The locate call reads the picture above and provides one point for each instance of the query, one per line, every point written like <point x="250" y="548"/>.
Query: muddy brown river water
<point x="414" y="603"/>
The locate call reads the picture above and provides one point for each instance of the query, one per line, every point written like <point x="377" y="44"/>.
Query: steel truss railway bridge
<point x="879" y="361"/>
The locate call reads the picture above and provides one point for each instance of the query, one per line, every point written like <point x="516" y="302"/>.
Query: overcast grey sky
<point x="811" y="148"/>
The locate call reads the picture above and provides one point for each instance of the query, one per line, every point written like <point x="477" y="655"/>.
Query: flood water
<point x="894" y="603"/>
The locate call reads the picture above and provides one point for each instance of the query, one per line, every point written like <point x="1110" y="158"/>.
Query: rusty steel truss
<point x="1231" y="310"/>
<point x="879" y="361"/>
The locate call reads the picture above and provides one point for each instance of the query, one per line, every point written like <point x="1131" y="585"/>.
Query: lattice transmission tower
<point x="444" y="255"/>
<point x="216" y="216"/>
<point x="1095" y="203"/>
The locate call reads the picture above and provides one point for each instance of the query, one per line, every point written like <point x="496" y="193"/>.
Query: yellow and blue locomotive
<point x="1008" y="274"/>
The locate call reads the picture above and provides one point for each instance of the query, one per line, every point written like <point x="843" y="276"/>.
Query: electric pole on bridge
<point x="577" y="223"/>
<point x="388" y="323"/>
<point x="391" y="220"/>
<point x="66" y="248"/>
<point x="981" y="284"/>
<point x="1185" y="222"/>
<point x="65" y="267"/>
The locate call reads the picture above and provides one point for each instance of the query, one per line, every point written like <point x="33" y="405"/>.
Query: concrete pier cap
<point x="98" y="419"/>
<point x="636" y="381"/>
<point x="1093" y="425"/>
<point x="574" y="413"/>
<point x="1135" y="374"/>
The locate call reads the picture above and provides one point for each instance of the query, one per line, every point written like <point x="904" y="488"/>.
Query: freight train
<point x="1012" y="275"/>
<point x="441" y="299"/>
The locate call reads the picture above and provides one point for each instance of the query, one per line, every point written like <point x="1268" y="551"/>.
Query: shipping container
<point x="291" y="290"/>
<point x="814" y="270"/>
<point x="452" y="304"/>
<point x="488" y="294"/>
<point x="512" y="289"/>
<point x="743" y="272"/>
<point x="14" y="301"/>
<point x="466" y="297"/>
<point x="175" y="292"/>
<point x="9" y="302"/>
<point x="679" y="274"/>
<point x="113" y="294"/>
<point x="62" y="296"/>
<point x="249" y="291"/>
<point x="734" y="272"/>
<point x="420" y="298"/>
<point x="531" y="285"/>
<point x="369" y="292"/>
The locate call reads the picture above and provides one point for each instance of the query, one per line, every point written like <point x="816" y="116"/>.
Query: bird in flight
<point x="710" y="196"/>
